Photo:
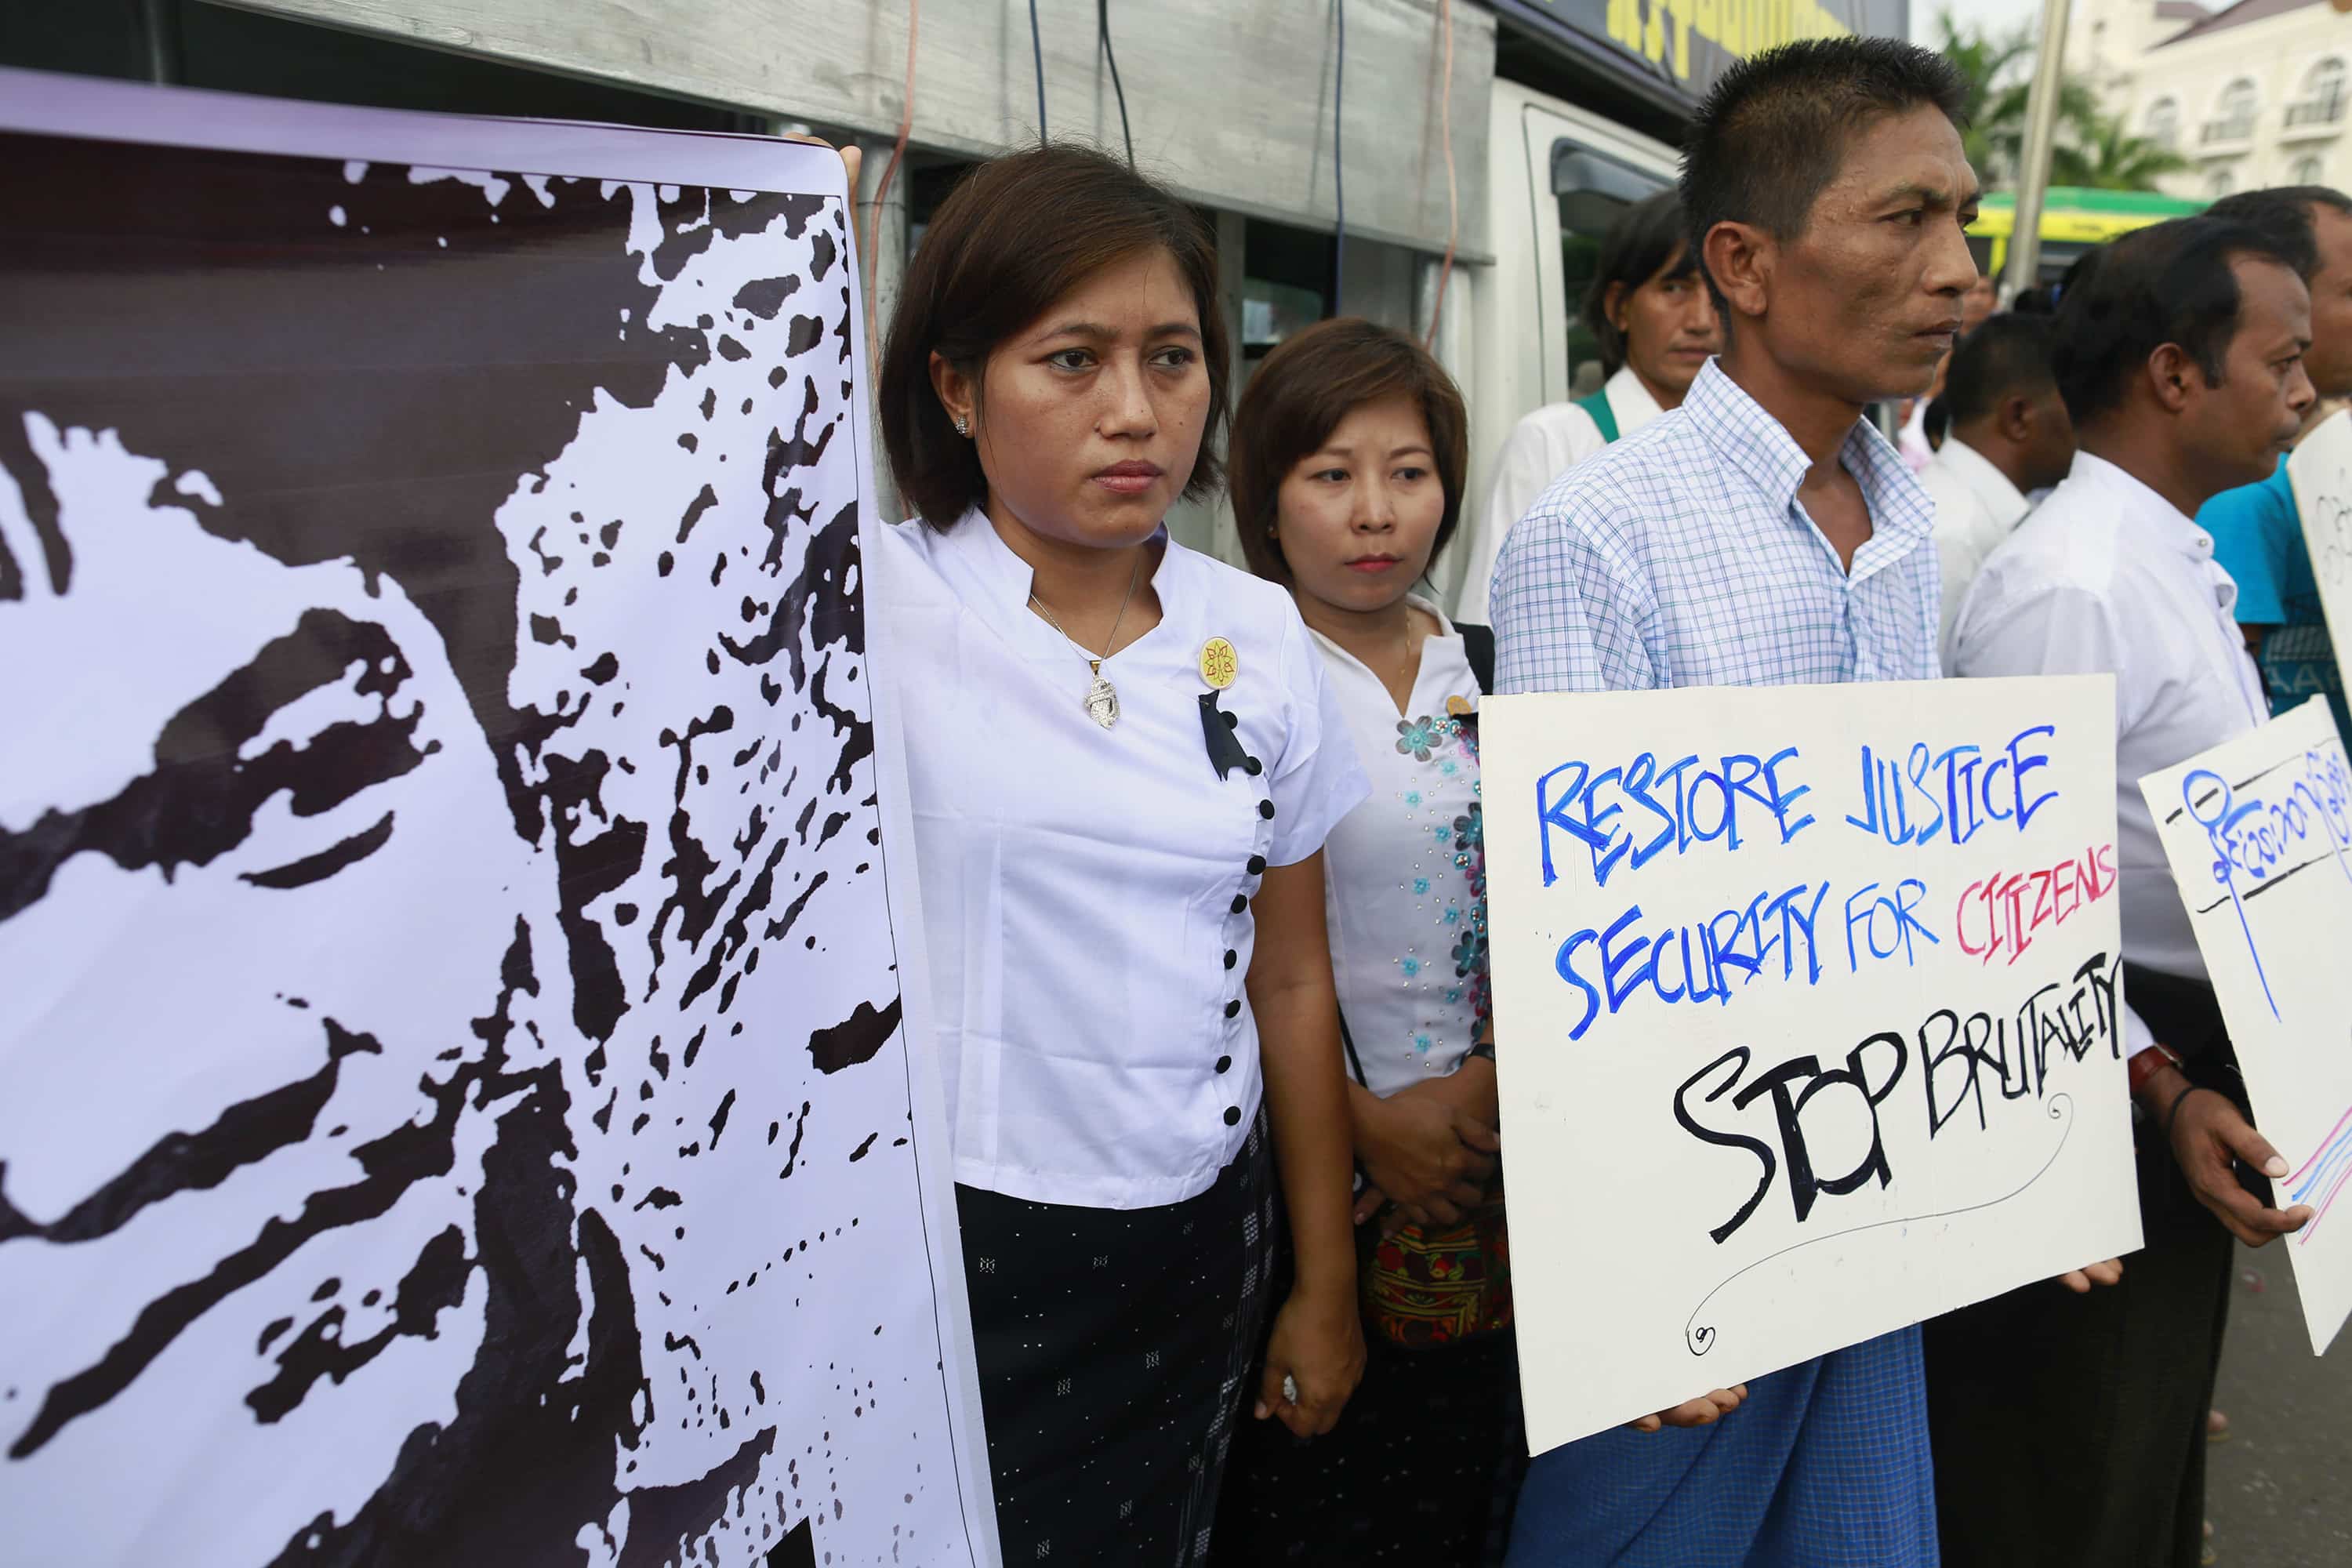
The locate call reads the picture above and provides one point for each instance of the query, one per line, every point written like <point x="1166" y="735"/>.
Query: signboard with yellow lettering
<point x="1684" y="45"/>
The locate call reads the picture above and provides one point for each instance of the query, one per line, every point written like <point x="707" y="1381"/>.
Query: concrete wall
<point x="1230" y="100"/>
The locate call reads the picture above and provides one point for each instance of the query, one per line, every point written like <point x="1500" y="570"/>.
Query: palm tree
<point x="2111" y="159"/>
<point x="1999" y="87"/>
<point x="1983" y="61"/>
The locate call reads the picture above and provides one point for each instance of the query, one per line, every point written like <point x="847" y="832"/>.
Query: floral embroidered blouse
<point x="1404" y="875"/>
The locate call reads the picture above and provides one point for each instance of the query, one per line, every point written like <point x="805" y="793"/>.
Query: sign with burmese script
<point x="2320" y="473"/>
<point x="1807" y="1004"/>
<point x="2258" y="832"/>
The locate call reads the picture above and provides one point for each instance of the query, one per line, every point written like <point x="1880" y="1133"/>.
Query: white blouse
<point x="1405" y="884"/>
<point x="1085" y="891"/>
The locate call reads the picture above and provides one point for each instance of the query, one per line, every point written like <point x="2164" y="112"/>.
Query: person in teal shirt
<point x="2257" y="531"/>
<point x="2258" y="539"/>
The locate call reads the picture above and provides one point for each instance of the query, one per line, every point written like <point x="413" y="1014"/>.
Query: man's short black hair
<point x="2168" y="284"/>
<point x="1775" y="127"/>
<point x="2284" y="213"/>
<point x="2008" y="356"/>
<point x="1645" y="237"/>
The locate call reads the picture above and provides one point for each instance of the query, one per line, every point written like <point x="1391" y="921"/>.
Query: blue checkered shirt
<point x="1680" y="557"/>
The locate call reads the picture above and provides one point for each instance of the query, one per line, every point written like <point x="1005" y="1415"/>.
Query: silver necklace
<point x="1102" y="697"/>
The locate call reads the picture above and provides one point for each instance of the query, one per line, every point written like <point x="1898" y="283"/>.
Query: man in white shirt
<point x="2009" y="436"/>
<point x="2072" y="1431"/>
<point x="1651" y="313"/>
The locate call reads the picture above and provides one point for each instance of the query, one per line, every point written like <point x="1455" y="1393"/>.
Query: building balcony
<point x="2218" y="138"/>
<point x="2315" y="119"/>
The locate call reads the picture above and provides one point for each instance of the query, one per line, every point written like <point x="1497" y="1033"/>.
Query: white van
<point x="1557" y="177"/>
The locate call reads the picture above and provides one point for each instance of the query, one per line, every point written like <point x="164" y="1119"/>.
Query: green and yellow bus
<point x="2074" y="220"/>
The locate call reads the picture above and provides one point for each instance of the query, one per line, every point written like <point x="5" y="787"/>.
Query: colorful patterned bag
<point x="1424" y="1287"/>
<point x="1427" y="1288"/>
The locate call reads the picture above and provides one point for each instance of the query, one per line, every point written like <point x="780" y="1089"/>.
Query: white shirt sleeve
<point x="1317" y="780"/>
<point x="1958" y="557"/>
<point x="2059" y="630"/>
<point x="1541" y="448"/>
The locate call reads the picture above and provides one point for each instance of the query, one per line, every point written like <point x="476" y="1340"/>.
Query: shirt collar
<point x="2147" y="510"/>
<point x="1007" y="579"/>
<point x="1760" y="447"/>
<point x="1984" y="480"/>
<point x="1445" y="628"/>
<point x="1630" y="401"/>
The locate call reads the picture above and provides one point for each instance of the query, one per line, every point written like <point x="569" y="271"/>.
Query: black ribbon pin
<point x="1226" y="751"/>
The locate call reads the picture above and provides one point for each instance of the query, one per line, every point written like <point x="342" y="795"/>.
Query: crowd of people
<point x="1201" y="858"/>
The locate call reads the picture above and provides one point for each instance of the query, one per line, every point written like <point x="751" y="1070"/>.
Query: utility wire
<point x="1037" y="53"/>
<point x="1452" y="202"/>
<point x="1102" y="31"/>
<point x="870" y="252"/>
<point x="1339" y="134"/>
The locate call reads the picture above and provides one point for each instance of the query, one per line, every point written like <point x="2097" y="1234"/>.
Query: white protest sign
<point x="2321" y="474"/>
<point x="1807" y="1005"/>
<point x="2258" y="832"/>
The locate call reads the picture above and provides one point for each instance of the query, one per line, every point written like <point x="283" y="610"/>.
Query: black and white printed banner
<point x="455" y="1101"/>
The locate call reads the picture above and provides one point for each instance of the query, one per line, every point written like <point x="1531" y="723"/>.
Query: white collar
<point x="1630" y="401"/>
<point x="2154" y="512"/>
<point x="1010" y="580"/>
<point x="1445" y="627"/>
<point x="1984" y="480"/>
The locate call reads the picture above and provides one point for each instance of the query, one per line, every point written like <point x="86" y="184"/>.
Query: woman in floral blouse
<point x="1349" y="458"/>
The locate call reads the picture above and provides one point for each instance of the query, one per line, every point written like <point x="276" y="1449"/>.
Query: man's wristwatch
<point x="2148" y="1064"/>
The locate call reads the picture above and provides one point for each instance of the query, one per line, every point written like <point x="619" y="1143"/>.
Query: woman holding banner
<point x="1123" y="761"/>
<point x="1349" y="454"/>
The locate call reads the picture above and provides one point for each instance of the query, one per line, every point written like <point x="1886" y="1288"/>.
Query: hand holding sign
<point x="2259" y="835"/>
<point x="2209" y="1137"/>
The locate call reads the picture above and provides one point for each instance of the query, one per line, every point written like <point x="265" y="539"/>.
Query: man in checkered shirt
<point x="1765" y="534"/>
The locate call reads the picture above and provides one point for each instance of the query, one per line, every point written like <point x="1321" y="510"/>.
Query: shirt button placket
<point x="1253" y="874"/>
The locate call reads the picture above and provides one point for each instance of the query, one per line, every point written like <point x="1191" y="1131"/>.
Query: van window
<point x="1592" y="188"/>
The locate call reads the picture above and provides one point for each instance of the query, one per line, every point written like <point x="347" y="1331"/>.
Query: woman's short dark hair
<point x="1016" y="235"/>
<point x="1301" y="394"/>
<point x="1647" y="237"/>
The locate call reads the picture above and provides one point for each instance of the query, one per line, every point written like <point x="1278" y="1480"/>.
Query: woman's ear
<point x="956" y="392"/>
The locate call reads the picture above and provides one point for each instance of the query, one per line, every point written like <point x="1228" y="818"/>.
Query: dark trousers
<point x="2070" y="1430"/>
<point x="1114" y="1349"/>
<point x="1422" y="1469"/>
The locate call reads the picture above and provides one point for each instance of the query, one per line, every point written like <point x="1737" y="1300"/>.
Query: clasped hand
<point x="1423" y="1152"/>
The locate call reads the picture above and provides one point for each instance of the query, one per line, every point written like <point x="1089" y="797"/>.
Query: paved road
<point x="2280" y="1490"/>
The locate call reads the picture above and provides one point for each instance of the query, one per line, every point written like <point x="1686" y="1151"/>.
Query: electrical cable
<point x="1338" y="183"/>
<point x="1452" y="202"/>
<point x="1102" y="31"/>
<point x="1037" y="53"/>
<point x="882" y="187"/>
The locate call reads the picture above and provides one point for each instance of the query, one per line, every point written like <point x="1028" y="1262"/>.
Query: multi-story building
<point x="2253" y="94"/>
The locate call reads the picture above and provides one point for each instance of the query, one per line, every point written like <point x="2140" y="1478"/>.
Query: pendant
<point x="1102" y="703"/>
